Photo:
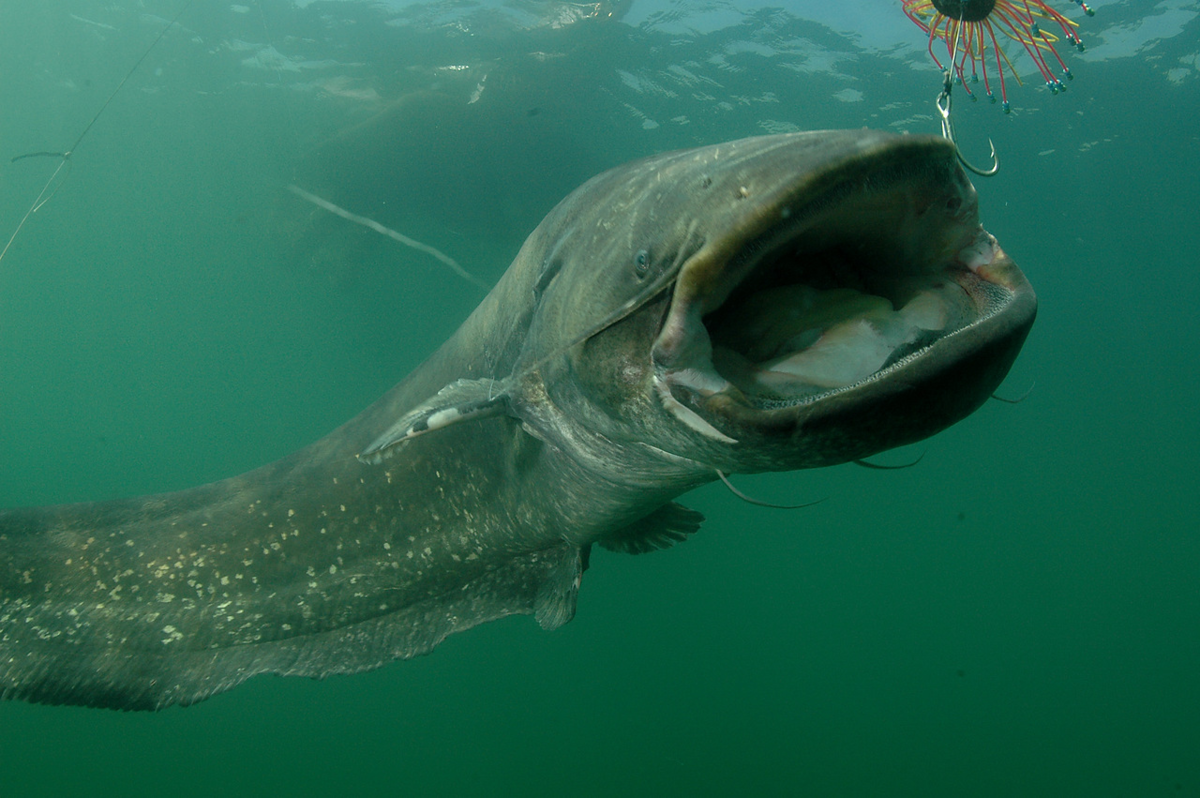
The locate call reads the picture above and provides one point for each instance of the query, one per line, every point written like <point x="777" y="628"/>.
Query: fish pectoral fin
<point x="661" y="529"/>
<point x="461" y="400"/>
<point x="554" y="604"/>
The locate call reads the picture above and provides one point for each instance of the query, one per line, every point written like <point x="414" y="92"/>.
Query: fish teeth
<point x="980" y="252"/>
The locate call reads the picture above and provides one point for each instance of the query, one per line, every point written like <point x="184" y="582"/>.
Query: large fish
<point x="768" y="304"/>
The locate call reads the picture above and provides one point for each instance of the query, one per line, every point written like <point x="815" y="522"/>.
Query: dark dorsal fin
<point x="661" y="529"/>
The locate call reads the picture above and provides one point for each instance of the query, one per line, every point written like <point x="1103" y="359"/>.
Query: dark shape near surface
<point x="768" y="304"/>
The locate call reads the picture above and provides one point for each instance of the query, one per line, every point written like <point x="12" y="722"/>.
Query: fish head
<point x="777" y="303"/>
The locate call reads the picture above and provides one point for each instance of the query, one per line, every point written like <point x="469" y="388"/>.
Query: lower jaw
<point x="794" y="345"/>
<point x="900" y="405"/>
<point x="844" y="338"/>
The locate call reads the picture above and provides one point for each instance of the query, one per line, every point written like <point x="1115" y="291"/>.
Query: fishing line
<point x="65" y="157"/>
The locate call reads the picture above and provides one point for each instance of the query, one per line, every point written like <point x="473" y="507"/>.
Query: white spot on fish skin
<point x="333" y="569"/>
<point x="291" y="513"/>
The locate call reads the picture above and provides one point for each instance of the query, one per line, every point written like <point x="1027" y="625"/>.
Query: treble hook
<point x="943" y="106"/>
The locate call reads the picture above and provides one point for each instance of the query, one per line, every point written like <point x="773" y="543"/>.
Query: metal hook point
<point x="944" y="107"/>
<point x="993" y="169"/>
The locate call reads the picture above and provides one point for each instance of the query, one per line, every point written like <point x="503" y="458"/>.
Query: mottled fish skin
<point x="558" y="416"/>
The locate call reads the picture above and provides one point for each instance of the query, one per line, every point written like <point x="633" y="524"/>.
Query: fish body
<point x="767" y="304"/>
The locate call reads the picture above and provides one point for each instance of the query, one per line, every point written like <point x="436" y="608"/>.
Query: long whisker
<point x="390" y="233"/>
<point x="878" y="467"/>
<point x="760" y="503"/>
<point x="1019" y="399"/>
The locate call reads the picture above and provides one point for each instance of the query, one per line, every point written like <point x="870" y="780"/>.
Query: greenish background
<point x="1017" y="615"/>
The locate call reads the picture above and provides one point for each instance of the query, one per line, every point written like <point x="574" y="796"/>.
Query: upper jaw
<point x="840" y="303"/>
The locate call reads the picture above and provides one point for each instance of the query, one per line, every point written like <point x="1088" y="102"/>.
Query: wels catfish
<point x="768" y="304"/>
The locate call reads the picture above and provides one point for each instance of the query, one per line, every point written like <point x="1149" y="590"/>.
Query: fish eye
<point x="641" y="262"/>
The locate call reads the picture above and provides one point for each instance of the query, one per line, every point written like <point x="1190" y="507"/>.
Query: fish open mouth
<point x="835" y="287"/>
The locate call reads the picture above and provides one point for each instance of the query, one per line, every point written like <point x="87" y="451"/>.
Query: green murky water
<point x="1018" y="615"/>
